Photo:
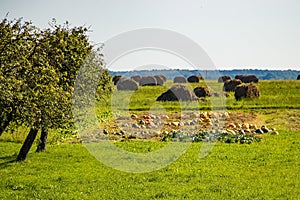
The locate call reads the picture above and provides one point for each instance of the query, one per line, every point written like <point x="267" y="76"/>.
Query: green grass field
<point x="266" y="170"/>
<point x="274" y="95"/>
<point x="269" y="169"/>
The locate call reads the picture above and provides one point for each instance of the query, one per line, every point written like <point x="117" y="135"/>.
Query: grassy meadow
<point x="274" y="95"/>
<point x="269" y="169"/>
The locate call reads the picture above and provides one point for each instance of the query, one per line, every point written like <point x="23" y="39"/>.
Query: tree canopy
<point x="38" y="68"/>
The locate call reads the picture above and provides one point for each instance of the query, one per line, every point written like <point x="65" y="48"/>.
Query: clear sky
<point x="236" y="34"/>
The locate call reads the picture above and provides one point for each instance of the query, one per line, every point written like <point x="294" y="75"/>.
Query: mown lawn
<point x="266" y="170"/>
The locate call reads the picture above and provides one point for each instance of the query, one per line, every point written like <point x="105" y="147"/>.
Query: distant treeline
<point x="214" y="74"/>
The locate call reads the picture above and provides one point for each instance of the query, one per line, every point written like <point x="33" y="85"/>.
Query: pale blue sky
<point x="260" y="34"/>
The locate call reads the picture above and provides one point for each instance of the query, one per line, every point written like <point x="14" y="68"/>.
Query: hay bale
<point x="180" y="79"/>
<point x="136" y="78"/>
<point x="127" y="84"/>
<point x="194" y="79"/>
<point x="230" y="85"/>
<point x="247" y="78"/>
<point x="162" y="76"/>
<point x="116" y="79"/>
<point x="222" y="79"/>
<point x="203" y="91"/>
<point x="147" y="80"/>
<point x="240" y="91"/>
<point x="177" y="93"/>
<point x="298" y="77"/>
<point x="247" y="91"/>
<point x="252" y="91"/>
<point x="159" y="80"/>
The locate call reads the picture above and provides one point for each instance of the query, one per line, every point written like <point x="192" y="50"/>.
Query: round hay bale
<point x="147" y="80"/>
<point x="298" y="77"/>
<point x="222" y="79"/>
<point x="194" y="79"/>
<point x="247" y="78"/>
<point x="230" y="85"/>
<point x="252" y="91"/>
<point x="127" y="84"/>
<point x="177" y="93"/>
<point x="136" y="78"/>
<point x="159" y="80"/>
<point x="203" y="91"/>
<point x="240" y="91"/>
<point x="180" y="79"/>
<point x="162" y="76"/>
<point x="247" y="91"/>
<point x="116" y="79"/>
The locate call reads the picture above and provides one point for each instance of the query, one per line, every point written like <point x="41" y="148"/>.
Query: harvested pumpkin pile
<point x="189" y="126"/>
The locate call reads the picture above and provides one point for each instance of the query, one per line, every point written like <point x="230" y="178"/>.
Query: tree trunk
<point x="5" y="123"/>
<point x="43" y="140"/>
<point x="27" y="144"/>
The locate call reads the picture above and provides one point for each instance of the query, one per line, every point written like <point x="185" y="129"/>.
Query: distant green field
<point x="273" y="95"/>
<point x="269" y="169"/>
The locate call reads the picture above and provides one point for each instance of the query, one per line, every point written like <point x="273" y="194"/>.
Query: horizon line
<point x="168" y="69"/>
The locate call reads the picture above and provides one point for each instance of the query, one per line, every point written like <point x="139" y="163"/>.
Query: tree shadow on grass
<point x="6" y="160"/>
